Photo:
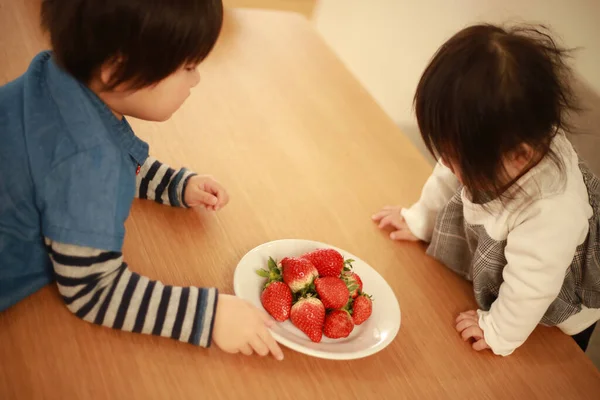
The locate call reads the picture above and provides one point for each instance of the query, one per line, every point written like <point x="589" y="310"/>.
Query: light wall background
<point x="387" y="44"/>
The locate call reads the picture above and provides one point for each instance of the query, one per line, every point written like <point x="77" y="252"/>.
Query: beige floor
<point x="304" y="7"/>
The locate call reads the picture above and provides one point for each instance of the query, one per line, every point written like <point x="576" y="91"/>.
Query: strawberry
<point x="277" y="300"/>
<point x="338" y="324"/>
<point x="328" y="262"/>
<point x="298" y="273"/>
<point x="353" y="282"/>
<point x="332" y="291"/>
<point x="308" y="315"/>
<point x="362" y="307"/>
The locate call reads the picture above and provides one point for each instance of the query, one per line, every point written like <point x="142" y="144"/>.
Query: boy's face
<point x="154" y="103"/>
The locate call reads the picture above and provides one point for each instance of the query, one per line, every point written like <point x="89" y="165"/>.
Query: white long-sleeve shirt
<point x="539" y="234"/>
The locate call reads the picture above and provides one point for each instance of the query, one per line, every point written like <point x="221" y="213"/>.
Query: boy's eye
<point x="190" y="69"/>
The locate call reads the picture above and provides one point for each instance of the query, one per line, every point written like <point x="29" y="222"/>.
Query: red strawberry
<point x="353" y="282"/>
<point x="362" y="308"/>
<point x="338" y="324"/>
<point x="308" y="315"/>
<point x="332" y="291"/>
<point x="298" y="273"/>
<point x="277" y="300"/>
<point x="328" y="262"/>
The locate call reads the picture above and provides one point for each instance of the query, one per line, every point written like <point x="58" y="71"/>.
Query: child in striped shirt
<point x="71" y="166"/>
<point x="510" y="206"/>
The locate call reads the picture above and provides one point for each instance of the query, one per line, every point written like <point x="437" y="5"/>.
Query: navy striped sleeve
<point x="161" y="183"/>
<point x="99" y="287"/>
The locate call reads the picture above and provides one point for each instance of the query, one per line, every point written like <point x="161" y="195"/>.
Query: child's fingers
<point x="222" y="196"/>
<point x="207" y="198"/>
<point x="387" y="221"/>
<point x="217" y="189"/>
<point x="480" y="345"/>
<point x="472" y="332"/>
<point x="402" y="234"/>
<point x="246" y="350"/>
<point x="467" y="314"/>
<point x="224" y="199"/>
<point x="266" y="318"/>
<point x="464" y="324"/>
<point x="462" y="317"/>
<point x="259" y="346"/>
<point x="271" y="344"/>
<point x="378" y="216"/>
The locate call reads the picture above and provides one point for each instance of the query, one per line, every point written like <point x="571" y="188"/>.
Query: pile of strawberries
<point x="318" y="292"/>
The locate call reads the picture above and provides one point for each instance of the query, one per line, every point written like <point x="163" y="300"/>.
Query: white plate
<point x="366" y="339"/>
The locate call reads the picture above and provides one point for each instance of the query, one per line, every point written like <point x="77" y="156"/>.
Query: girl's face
<point x="153" y="103"/>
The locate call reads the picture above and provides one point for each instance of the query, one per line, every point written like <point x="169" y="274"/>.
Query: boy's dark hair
<point x="145" y="40"/>
<point x="487" y="91"/>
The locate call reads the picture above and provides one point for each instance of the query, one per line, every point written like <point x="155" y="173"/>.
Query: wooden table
<point x="305" y="153"/>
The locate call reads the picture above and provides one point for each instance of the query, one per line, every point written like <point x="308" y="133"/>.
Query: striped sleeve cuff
<point x="205" y="317"/>
<point x="161" y="183"/>
<point x="178" y="186"/>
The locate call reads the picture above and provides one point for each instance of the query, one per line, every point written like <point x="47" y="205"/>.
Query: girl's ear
<point x="522" y="156"/>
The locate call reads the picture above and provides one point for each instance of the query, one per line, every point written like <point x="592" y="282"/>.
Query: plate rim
<point x="320" y="353"/>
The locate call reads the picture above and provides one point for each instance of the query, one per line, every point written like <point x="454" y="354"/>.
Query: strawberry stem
<point x="273" y="274"/>
<point x="348" y="264"/>
<point x="348" y="306"/>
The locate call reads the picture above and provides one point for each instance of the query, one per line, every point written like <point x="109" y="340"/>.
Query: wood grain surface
<point x="305" y="153"/>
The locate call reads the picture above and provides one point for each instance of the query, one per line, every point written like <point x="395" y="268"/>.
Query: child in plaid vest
<point x="510" y="206"/>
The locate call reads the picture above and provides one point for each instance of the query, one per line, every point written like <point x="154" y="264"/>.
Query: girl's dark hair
<point x="487" y="91"/>
<point x="145" y="40"/>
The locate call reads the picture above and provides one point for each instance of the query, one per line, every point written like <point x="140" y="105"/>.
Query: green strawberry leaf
<point x="348" y="265"/>
<point x="366" y="295"/>
<point x="272" y="264"/>
<point x="273" y="274"/>
<point x="348" y="306"/>
<point x="352" y="287"/>
<point x="263" y="273"/>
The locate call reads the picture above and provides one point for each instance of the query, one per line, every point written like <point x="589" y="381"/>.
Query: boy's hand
<point x="390" y="216"/>
<point x="467" y="324"/>
<point x="242" y="328"/>
<point x="203" y="190"/>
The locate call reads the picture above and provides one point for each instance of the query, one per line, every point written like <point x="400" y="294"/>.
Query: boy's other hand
<point x="390" y="216"/>
<point x="242" y="328"/>
<point x="204" y="191"/>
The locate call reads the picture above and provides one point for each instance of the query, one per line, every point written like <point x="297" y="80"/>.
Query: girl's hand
<point x="390" y="216"/>
<point x="204" y="191"/>
<point x="467" y="324"/>
<point x="242" y="328"/>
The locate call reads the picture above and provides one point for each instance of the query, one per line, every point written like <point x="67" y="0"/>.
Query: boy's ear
<point x="108" y="70"/>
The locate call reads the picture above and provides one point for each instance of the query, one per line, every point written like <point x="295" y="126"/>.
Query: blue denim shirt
<point x="67" y="168"/>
